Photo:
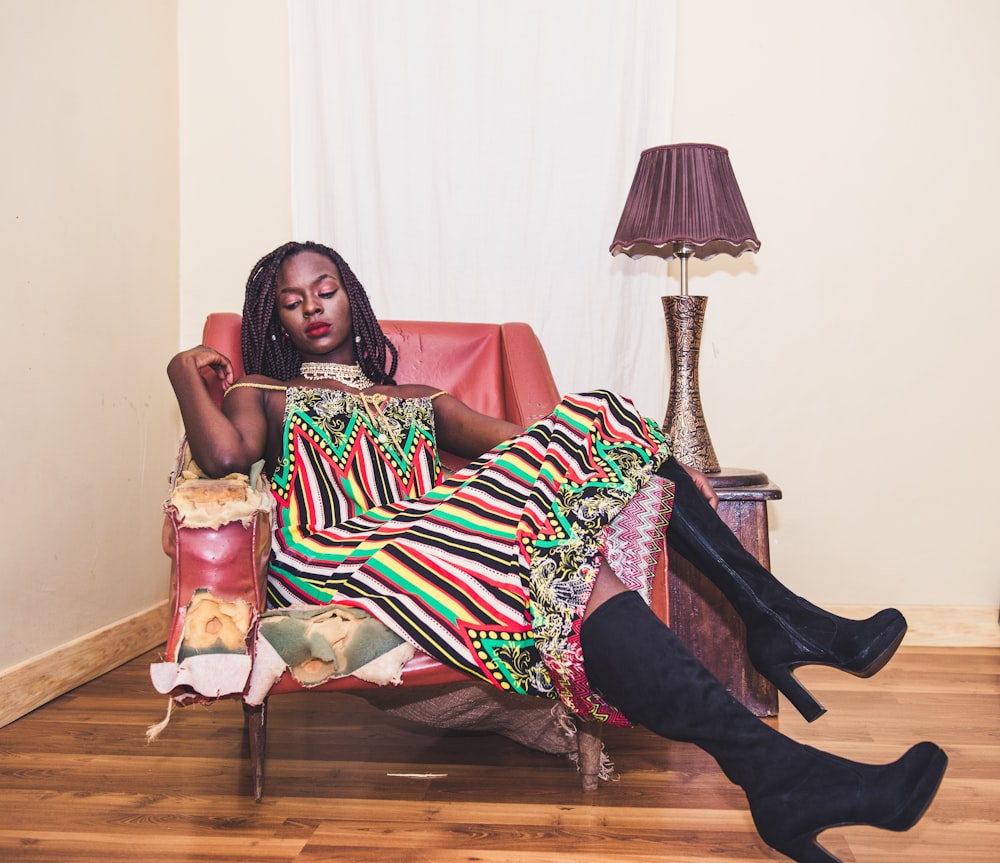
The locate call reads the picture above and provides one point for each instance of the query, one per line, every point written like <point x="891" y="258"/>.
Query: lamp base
<point x="685" y="421"/>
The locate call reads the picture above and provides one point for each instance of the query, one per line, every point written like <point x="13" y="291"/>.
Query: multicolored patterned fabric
<point x="489" y="569"/>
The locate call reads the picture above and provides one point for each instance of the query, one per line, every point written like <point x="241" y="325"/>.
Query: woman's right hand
<point x="203" y="357"/>
<point x="224" y="439"/>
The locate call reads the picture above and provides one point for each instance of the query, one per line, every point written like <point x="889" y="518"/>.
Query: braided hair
<point x="265" y="349"/>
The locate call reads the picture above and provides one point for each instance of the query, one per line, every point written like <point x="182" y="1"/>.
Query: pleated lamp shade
<point x="684" y="201"/>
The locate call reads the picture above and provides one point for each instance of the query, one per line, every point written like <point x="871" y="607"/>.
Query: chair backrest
<point x="498" y="369"/>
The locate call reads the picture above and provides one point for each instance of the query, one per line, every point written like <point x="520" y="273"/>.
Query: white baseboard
<point x="40" y="679"/>
<point x="941" y="626"/>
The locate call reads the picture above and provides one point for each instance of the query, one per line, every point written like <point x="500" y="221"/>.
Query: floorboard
<point x="79" y="783"/>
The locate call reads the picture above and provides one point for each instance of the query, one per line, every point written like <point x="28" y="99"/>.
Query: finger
<point x="224" y="370"/>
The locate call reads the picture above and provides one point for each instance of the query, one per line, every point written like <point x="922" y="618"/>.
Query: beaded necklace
<point x="350" y="376"/>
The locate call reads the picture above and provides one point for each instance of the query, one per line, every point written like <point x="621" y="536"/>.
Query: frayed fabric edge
<point x="567" y="723"/>
<point x="154" y="731"/>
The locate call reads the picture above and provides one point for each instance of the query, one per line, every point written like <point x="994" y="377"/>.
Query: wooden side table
<point x="701" y="616"/>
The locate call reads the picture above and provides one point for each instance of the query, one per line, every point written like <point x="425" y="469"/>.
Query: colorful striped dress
<point x="488" y="569"/>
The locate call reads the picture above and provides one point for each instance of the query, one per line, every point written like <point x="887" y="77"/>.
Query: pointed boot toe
<point x="875" y="642"/>
<point x="835" y="792"/>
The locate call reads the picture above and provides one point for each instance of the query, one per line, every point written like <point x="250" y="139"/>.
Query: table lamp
<point x="684" y="202"/>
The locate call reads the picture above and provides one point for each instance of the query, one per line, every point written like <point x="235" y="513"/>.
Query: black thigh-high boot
<point x="784" y="631"/>
<point x="794" y="791"/>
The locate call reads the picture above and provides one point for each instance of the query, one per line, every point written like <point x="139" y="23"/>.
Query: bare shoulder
<point x="447" y="408"/>
<point x="256" y="392"/>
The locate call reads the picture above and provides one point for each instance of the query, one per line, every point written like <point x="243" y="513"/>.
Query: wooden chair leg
<point x="588" y="743"/>
<point x="257" y="732"/>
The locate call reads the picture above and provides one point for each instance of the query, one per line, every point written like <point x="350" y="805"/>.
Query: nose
<point x="311" y="305"/>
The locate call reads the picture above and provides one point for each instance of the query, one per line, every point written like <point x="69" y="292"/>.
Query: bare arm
<point x="221" y="441"/>
<point x="466" y="432"/>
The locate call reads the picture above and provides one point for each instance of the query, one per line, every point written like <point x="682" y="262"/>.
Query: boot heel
<point x="781" y="676"/>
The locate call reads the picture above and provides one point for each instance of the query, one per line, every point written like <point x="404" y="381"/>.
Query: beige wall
<point x="88" y="235"/>
<point x="855" y="357"/>
<point x="235" y="150"/>
<point x="836" y="359"/>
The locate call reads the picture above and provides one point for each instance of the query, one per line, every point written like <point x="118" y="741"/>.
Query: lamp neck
<point x="684" y="272"/>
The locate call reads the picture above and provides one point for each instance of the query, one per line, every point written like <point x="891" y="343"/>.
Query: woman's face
<point x="314" y="309"/>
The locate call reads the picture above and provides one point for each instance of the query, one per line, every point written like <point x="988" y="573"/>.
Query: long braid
<point x="266" y="349"/>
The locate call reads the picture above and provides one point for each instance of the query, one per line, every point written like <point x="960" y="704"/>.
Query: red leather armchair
<point x="499" y="369"/>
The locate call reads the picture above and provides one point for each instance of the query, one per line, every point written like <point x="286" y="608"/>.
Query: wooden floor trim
<point x="38" y="680"/>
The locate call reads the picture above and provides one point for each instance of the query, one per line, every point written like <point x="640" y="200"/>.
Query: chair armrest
<point x="530" y="390"/>
<point x="217" y="534"/>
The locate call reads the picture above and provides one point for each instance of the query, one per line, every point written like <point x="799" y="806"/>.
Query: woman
<point x="515" y="569"/>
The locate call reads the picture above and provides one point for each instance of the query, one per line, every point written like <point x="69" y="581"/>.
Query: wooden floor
<point x="78" y="782"/>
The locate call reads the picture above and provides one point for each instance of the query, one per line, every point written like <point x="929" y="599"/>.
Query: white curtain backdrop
<point x="470" y="160"/>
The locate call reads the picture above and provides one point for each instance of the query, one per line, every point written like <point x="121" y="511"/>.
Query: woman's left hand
<point x="703" y="483"/>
